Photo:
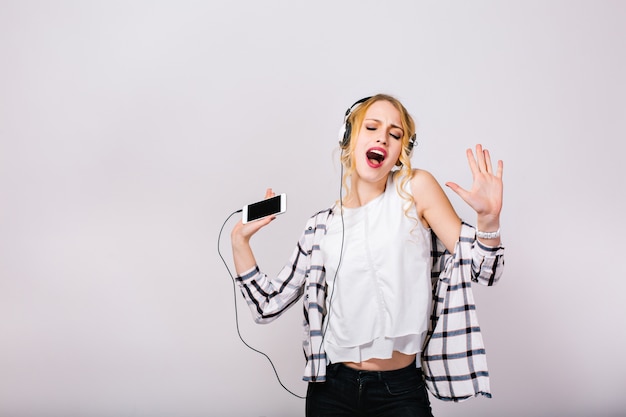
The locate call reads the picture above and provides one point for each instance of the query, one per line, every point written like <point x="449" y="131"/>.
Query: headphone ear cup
<point x="409" y="148"/>
<point x="411" y="144"/>
<point x="342" y="135"/>
<point x="347" y="131"/>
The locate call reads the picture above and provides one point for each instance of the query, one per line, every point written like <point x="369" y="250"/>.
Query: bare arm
<point x="434" y="208"/>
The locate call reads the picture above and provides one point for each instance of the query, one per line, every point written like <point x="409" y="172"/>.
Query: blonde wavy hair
<point x="405" y="172"/>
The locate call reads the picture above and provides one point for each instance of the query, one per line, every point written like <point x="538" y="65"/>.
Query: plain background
<point x="130" y="130"/>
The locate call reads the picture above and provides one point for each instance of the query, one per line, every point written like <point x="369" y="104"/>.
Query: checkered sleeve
<point x="454" y="359"/>
<point x="487" y="262"/>
<point x="269" y="298"/>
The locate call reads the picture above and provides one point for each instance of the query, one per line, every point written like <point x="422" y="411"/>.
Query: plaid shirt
<point x="453" y="359"/>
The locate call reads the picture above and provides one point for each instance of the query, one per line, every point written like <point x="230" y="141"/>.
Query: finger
<point x="500" y="169"/>
<point x="269" y="193"/>
<point x="472" y="161"/>
<point x="461" y="192"/>
<point x="480" y="158"/>
<point x="488" y="165"/>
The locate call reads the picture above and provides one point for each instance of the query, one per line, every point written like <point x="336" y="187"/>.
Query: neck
<point x="362" y="192"/>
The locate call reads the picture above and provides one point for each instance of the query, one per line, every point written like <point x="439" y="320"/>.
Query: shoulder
<point x="321" y="217"/>
<point x="423" y="182"/>
<point x="322" y="214"/>
<point x="431" y="201"/>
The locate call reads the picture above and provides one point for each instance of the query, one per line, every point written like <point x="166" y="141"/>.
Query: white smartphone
<point x="268" y="207"/>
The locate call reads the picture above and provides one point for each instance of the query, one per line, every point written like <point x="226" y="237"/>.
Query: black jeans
<point x="348" y="392"/>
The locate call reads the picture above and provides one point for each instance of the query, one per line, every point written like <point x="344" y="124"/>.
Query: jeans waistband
<point x="339" y="368"/>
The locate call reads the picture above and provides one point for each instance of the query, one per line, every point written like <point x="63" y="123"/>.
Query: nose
<point x="382" y="138"/>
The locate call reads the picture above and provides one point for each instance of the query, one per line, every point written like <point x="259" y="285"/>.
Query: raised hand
<point x="485" y="195"/>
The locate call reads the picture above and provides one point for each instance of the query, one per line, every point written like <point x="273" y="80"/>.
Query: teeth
<point x="376" y="155"/>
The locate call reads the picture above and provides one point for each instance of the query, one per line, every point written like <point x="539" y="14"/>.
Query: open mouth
<point x="375" y="157"/>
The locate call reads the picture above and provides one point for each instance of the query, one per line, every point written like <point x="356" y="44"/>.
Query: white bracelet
<point x="488" y="235"/>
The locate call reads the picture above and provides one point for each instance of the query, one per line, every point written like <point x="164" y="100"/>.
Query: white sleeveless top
<point x="379" y="301"/>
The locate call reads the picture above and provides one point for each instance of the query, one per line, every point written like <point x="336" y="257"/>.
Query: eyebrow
<point x="392" y="125"/>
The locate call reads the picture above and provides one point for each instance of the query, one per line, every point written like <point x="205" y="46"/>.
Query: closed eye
<point x="394" y="135"/>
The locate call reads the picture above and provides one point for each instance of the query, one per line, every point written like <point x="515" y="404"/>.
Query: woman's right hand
<point x="242" y="233"/>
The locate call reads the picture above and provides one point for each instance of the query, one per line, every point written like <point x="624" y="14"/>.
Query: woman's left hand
<point x="485" y="196"/>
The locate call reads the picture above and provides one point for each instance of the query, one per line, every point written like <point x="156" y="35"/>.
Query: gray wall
<point x="129" y="131"/>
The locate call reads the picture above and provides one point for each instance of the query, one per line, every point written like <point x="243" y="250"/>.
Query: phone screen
<point x="264" y="208"/>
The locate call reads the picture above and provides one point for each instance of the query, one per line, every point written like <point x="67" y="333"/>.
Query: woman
<point x="364" y="268"/>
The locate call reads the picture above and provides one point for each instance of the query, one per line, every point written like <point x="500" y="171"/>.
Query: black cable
<point x="219" y="237"/>
<point x="330" y="299"/>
